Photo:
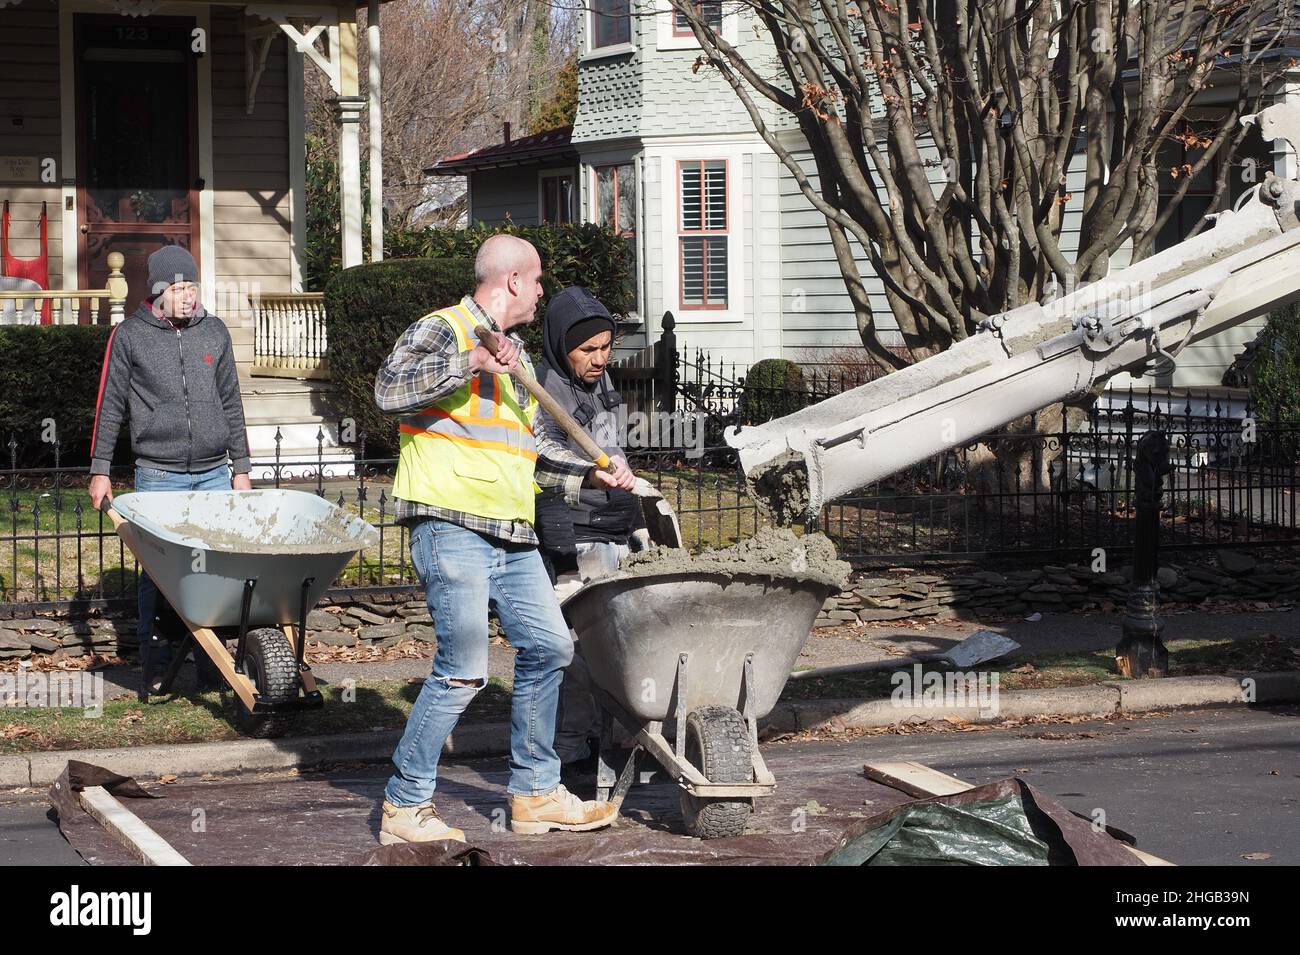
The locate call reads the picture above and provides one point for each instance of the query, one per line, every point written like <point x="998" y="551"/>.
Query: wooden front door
<point x="137" y="132"/>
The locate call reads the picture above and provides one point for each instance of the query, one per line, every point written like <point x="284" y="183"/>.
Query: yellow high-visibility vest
<point x="473" y="450"/>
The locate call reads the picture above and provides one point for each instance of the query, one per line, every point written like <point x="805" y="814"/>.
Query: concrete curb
<point x="1103" y="699"/>
<point x="493" y="739"/>
<point x="191" y="759"/>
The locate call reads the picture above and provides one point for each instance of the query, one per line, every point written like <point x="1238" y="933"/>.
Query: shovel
<point x="660" y="519"/>
<point x="565" y="420"/>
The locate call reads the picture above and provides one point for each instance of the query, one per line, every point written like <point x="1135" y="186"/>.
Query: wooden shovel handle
<point x="552" y="407"/>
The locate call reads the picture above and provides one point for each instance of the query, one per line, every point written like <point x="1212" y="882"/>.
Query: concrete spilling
<point x="772" y="552"/>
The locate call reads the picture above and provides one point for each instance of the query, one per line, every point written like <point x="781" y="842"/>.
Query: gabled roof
<point x="554" y="144"/>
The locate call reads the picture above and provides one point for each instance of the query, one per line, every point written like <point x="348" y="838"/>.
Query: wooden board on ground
<point x="917" y="779"/>
<point x="132" y="832"/>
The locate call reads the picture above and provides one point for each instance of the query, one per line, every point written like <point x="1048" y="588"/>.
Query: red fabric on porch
<point x="37" y="269"/>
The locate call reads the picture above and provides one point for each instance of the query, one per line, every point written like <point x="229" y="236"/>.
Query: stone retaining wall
<point x="981" y="594"/>
<point x="881" y="596"/>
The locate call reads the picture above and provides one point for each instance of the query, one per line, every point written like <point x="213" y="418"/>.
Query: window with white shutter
<point x="702" y="233"/>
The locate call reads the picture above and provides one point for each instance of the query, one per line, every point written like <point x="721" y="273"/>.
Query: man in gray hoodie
<point x="170" y="369"/>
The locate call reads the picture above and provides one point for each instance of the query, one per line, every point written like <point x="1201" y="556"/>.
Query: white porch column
<point x="349" y="106"/>
<point x="376" y="136"/>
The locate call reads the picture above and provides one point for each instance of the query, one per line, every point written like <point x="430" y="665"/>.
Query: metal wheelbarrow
<point x="245" y="566"/>
<point x="708" y="653"/>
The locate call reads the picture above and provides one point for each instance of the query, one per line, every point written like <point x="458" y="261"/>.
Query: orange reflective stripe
<point x="471" y="442"/>
<point x="434" y="411"/>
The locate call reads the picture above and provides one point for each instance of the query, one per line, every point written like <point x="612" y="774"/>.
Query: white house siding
<point x="645" y="105"/>
<point x="609" y="93"/>
<point x="749" y="328"/>
<point x="250" y="165"/>
<point x="818" y="316"/>
<point x="29" y="90"/>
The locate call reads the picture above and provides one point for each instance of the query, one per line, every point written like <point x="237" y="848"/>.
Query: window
<point x="702" y="233"/>
<point x="710" y="12"/>
<point x="611" y="23"/>
<point x="557" y="199"/>
<point x="616" y="206"/>
<point x="1174" y="162"/>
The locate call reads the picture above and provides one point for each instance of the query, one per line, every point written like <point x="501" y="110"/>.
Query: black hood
<point x="569" y="307"/>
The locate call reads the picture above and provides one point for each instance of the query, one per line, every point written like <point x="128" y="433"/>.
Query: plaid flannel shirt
<point x="427" y="364"/>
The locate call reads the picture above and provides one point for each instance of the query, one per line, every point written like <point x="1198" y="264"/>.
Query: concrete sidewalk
<point x="810" y="717"/>
<point x="1053" y="635"/>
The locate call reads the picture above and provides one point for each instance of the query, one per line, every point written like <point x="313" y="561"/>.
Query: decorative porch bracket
<point x="257" y="46"/>
<point x="303" y="26"/>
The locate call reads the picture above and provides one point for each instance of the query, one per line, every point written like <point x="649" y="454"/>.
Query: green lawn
<point x="1186" y="658"/>
<point x="208" y="717"/>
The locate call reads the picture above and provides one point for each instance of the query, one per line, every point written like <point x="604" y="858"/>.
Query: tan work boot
<point x="414" y="824"/>
<point x="559" y="809"/>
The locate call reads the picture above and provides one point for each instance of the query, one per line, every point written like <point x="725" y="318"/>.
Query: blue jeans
<point x="464" y="573"/>
<point x="157" y="653"/>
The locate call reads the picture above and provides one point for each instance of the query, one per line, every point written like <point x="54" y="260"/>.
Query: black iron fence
<point x="1070" y="490"/>
<point x="56" y="550"/>
<point x="1064" y="490"/>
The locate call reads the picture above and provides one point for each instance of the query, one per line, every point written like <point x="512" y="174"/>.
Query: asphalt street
<point x="1207" y="787"/>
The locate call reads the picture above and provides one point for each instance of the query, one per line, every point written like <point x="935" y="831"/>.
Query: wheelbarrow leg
<point x="146" y="669"/>
<point x="302" y="627"/>
<point x="178" y="660"/>
<point x="245" y="605"/>
<point x="605" y="775"/>
<point x="625" y="780"/>
<point x="611" y="786"/>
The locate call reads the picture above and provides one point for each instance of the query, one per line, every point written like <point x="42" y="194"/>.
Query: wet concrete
<point x="771" y="552"/>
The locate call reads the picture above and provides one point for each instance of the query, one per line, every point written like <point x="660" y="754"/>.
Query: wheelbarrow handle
<point x="544" y="398"/>
<point x="106" y="505"/>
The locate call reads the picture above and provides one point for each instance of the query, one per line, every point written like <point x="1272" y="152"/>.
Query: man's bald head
<point x="507" y="278"/>
<point x="500" y="256"/>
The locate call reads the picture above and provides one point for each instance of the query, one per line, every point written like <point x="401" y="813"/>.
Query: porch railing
<point x="289" y="335"/>
<point x="25" y="307"/>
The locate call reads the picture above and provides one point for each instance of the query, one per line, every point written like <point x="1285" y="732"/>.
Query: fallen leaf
<point x="1257" y="856"/>
<point x="168" y="778"/>
<point x="1025" y="668"/>
<point x="133" y="716"/>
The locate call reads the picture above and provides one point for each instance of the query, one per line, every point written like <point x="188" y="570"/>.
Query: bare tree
<point x="1003" y="95"/>
<point x="454" y="71"/>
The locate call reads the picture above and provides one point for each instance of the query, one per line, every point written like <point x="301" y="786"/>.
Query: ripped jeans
<point x="463" y="573"/>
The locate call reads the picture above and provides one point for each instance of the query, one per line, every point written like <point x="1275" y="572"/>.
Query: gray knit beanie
<point x="169" y="265"/>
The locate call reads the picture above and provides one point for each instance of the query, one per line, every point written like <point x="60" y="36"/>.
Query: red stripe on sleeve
<point x="99" y="398"/>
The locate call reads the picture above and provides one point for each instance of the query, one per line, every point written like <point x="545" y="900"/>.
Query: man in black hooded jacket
<point x="587" y="540"/>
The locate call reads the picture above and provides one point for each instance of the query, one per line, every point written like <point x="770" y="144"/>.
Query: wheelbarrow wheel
<point x="719" y="746"/>
<point x="270" y="664"/>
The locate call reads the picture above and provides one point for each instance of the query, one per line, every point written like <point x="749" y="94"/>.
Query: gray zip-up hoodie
<point x="181" y="390"/>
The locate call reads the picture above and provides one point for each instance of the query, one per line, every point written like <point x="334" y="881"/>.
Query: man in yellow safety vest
<point x="471" y="458"/>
